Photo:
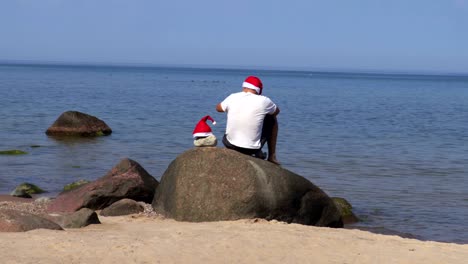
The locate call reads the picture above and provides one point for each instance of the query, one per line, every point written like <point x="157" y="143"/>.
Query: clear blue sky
<point x="370" y="35"/>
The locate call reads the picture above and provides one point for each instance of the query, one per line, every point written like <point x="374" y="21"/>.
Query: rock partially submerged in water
<point x="12" y="152"/>
<point x="345" y="209"/>
<point x="215" y="184"/>
<point x="26" y="188"/>
<point x="73" y="123"/>
<point x="128" y="179"/>
<point x="21" y="194"/>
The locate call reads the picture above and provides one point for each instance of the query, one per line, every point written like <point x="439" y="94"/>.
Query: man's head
<point x="253" y="83"/>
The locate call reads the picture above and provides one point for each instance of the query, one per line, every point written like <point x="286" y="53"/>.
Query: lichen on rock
<point x="74" y="185"/>
<point x="345" y="209"/>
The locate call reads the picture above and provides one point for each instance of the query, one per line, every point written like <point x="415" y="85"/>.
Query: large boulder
<point x="73" y="123"/>
<point x="18" y="221"/>
<point x="212" y="184"/>
<point x="128" y="179"/>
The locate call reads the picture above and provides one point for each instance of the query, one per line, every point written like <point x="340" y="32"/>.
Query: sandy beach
<point x="153" y="239"/>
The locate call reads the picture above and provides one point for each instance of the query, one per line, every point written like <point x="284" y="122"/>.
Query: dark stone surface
<point x="123" y="207"/>
<point x="78" y="219"/>
<point x="17" y="221"/>
<point x="212" y="184"/>
<point x="73" y="123"/>
<point x="126" y="180"/>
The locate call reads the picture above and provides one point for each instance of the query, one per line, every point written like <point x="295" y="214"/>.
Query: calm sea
<point x="395" y="146"/>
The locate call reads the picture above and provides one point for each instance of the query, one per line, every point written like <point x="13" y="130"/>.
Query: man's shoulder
<point x="266" y="99"/>
<point x="239" y="94"/>
<point x="236" y="96"/>
<point x="249" y="97"/>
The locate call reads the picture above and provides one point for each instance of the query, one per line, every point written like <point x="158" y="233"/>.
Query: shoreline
<point x="143" y="239"/>
<point x="31" y="206"/>
<point x="150" y="238"/>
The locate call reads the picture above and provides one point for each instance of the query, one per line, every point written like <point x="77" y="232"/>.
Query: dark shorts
<point x="268" y="124"/>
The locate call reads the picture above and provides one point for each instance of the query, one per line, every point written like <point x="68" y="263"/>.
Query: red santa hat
<point x="202" y="129"/>
<point x="253" y="83"/>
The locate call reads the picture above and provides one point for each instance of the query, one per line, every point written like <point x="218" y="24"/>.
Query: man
<point x="251" y="120"/>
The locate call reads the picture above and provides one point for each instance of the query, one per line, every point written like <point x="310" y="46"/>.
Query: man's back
<point x="245" y="115"/>
<point x="251" y="120"/>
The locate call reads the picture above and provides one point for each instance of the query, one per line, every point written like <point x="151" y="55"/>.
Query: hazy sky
<point x="372" y="35"/>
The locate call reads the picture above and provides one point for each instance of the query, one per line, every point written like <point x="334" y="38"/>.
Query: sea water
<point x="395" y="146"/>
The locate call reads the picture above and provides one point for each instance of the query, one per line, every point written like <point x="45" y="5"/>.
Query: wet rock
<point x="345" y="209"/>
<point x="27" y="188"/>
<point x="13" y="152"/>
<point x="21" y="193"/>
<point x="213" y="184"/>
<point x="73" y="123"/>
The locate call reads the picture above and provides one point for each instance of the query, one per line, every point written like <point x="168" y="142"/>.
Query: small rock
<point x="78" y="219"/>
<point x="20" y="193"/>
<point x="43" y="200"/>
<point x="123" y="207"/>
<point x="209" y="141"/>
<point x="13" y="152"/>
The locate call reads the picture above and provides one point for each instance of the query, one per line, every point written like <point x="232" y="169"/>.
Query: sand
<point x="153" y="239"/>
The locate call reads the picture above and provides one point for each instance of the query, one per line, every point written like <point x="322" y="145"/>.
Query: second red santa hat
<point x="202" y="129"/>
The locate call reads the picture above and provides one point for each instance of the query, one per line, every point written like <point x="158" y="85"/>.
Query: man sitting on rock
<point x="251" y="120"/>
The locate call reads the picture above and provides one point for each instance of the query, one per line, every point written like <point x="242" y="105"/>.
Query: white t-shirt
<point x="245" y="115"/>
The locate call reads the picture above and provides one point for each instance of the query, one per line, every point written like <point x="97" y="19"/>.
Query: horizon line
<point x="229" y="67"/>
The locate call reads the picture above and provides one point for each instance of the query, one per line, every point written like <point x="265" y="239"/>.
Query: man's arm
<point x="219" y="108"/>
<point x="277" y="111"/>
